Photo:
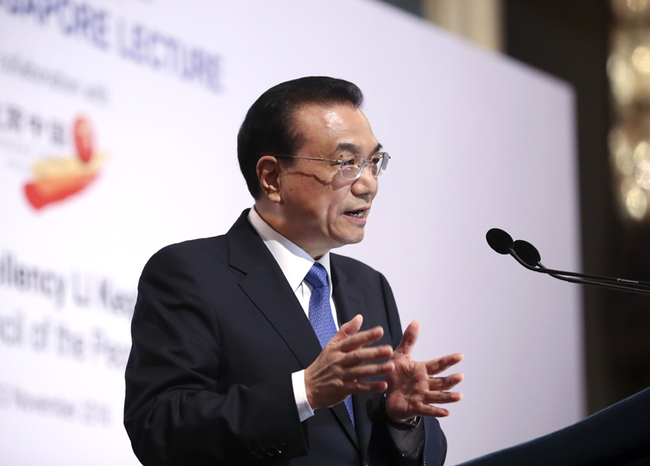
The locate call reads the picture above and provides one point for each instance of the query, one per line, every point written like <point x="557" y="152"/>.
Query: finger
<point x="366" y="355"/>
<point x="367" y="387"/>
<point x="436" y="366"/>
<point x="445" y="383"/>
<point x="348" y="329"/>
<point x="360" y="339"/>
<point x="431" y="411"/>
<point x="409" y="338"/>
<point x="367" y="371"/>
<point x="442" y="397"/>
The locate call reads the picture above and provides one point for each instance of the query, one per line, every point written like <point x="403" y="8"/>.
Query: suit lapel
<point x="265" y="285"/>
<point x="349" y="302"/>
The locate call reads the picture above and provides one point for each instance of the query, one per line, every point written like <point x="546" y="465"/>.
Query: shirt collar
<point x="294" y="261"/>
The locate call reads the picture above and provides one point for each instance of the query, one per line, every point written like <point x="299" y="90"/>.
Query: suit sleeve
<point x="176" y="410"/>
<point x="434" y="449"/>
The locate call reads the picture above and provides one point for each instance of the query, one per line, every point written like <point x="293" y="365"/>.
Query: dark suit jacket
<point x="217" y="333"/>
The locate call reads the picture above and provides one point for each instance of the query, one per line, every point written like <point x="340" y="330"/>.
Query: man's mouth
<point x="356" y="213"/>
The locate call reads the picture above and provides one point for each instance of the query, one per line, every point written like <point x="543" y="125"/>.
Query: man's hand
<point x="339" y="369"/>
<point x="412" y="387"/>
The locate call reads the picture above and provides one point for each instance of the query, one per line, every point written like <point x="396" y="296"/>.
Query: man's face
<point x="322" y="210"/>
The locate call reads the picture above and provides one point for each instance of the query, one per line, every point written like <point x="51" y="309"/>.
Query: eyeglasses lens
<point x="352" y="165"/>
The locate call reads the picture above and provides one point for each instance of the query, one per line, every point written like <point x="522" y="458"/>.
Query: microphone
<point x="528" y="256"/>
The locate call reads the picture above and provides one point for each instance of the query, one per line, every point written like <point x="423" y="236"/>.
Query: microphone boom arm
<point x="528" y="256"/>
<point x="593" y="280"/>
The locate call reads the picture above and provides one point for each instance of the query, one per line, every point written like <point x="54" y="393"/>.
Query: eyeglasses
<point x="352" y="166"/>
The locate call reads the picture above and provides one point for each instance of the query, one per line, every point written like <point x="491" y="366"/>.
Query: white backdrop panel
<point x="477" y="141"/>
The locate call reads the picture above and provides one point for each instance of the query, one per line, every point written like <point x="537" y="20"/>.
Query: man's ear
<point x="268" y="172"/>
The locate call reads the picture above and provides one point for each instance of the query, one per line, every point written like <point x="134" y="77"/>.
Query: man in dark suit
<point x="261" y="345"/>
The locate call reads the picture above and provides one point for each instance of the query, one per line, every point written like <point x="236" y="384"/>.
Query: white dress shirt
<point x="295" y="263"/>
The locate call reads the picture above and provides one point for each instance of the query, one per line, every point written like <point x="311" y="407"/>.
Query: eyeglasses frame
<point x="364" y="164"/>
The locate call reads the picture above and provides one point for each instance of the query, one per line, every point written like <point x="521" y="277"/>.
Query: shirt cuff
<point x="300" y="395"/>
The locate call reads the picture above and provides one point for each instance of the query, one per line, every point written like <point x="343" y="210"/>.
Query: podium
<point x="616" y="436"/>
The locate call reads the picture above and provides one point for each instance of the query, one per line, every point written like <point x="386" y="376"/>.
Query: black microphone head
<point x="499" y="240"/>
<point x="527" y="252"/>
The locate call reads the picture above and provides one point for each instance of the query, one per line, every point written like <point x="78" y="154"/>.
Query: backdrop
<point x="118" y="122"/>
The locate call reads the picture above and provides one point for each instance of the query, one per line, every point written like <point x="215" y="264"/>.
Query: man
<point x="247" y="346"/>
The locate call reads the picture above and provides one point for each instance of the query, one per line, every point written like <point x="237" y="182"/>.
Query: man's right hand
<point x="339" y="370"/>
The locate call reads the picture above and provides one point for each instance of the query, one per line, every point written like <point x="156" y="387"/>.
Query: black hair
<point x="269" y="127"/>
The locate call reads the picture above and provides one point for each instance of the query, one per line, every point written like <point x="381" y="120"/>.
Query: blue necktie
<point x="320" y="313"/>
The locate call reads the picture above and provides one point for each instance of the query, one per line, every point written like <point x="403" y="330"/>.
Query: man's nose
<point x="366" y="183"/>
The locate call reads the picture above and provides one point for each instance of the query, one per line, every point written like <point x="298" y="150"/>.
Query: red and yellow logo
<point x="54" y="179"/>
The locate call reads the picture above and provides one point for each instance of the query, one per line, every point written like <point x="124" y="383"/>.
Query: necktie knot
<point x="317" y="276"/>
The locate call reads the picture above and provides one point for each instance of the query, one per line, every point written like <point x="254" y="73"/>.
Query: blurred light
<point x="621" y="151"/>
<point x="642" y="151"/>
<point x="637" y="5"/>
<point x="628" y="70"/>
<point x="636" y="202"/>
<point x="621" y="77"/>
<point x="642" y="174"/>
<point x="641" y="59"/>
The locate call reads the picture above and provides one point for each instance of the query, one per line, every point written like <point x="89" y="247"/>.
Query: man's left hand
<point x="413" y="387"/>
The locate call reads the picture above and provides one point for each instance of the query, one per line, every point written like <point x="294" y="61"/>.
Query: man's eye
<point x="348" y="162"/>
